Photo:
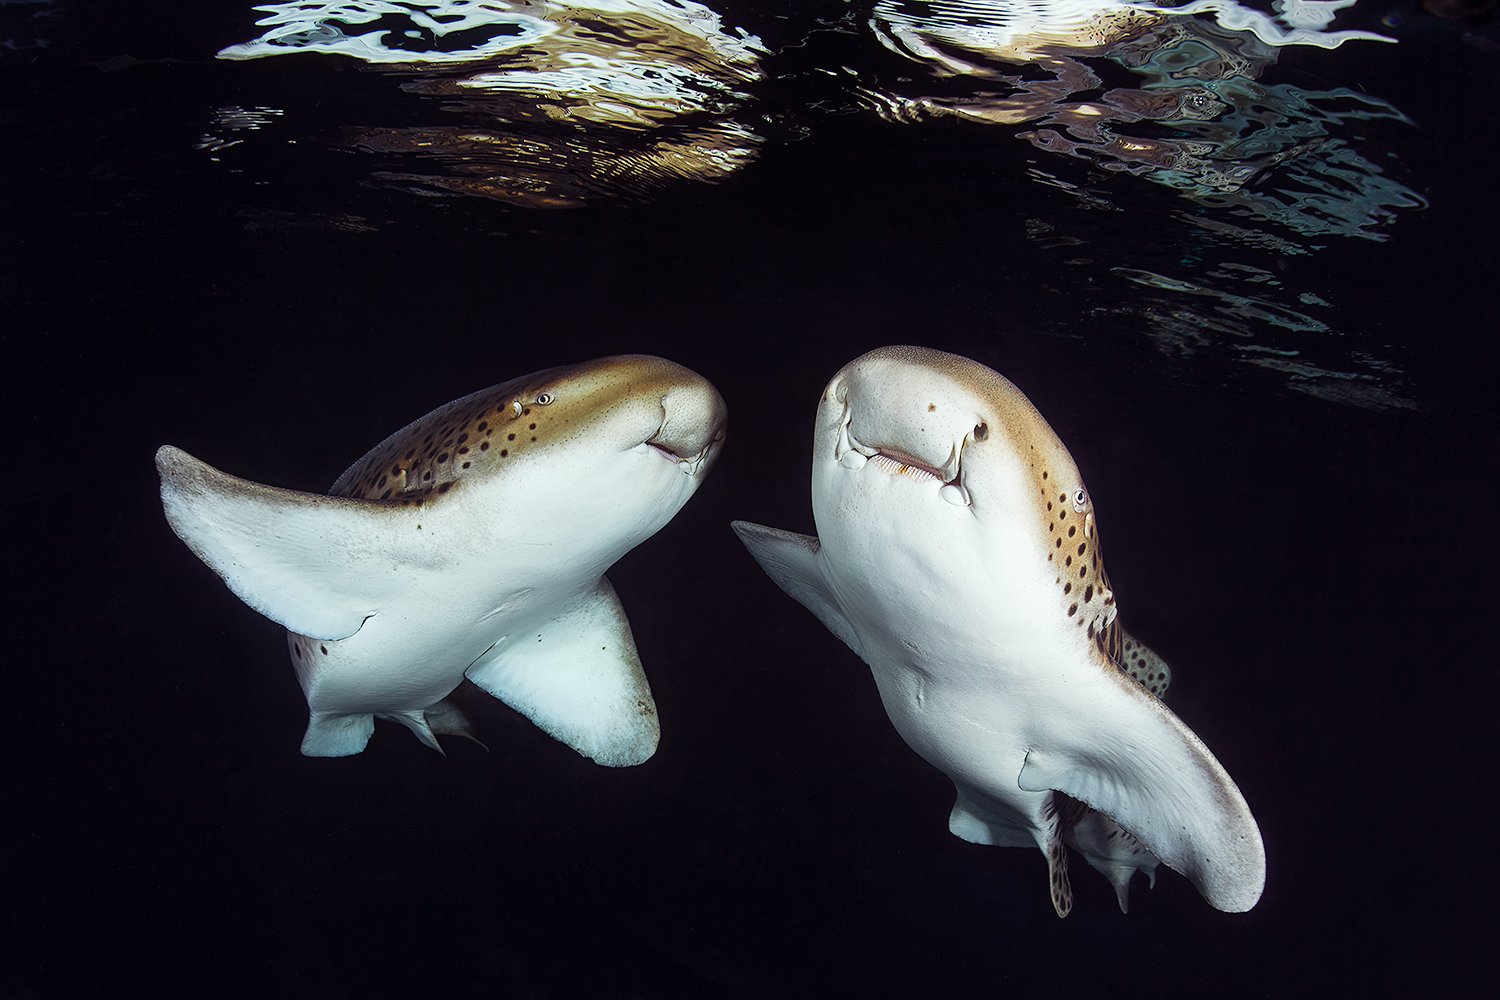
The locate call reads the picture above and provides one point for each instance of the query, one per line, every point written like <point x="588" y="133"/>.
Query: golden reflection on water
<point x="543" y="104"/>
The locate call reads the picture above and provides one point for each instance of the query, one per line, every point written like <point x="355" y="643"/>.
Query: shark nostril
<point x="981" y="431"/>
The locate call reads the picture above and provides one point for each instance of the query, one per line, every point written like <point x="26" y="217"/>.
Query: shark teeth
<point x="849" y="452"/>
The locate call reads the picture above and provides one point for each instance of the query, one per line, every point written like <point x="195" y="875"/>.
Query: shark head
<point x="953" y="459"/>
<point x="620" y="441"/>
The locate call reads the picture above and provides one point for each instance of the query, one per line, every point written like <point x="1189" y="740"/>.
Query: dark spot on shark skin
<point x="1072" y="530"/>
<point x="1072" y="610"/>
<point x="1068" y="587"/>
<point x="1069" y="560"/>
<point x="1081" y="547"/>
<point x="1083" y="571"/>
<point x="1044" y="473"/>
<point x="510" y="437"/>
<point x="324" y="649"/>
<point x="484" y="446"/>
<point x="504" y="452"/>
<point x="443" y="457"/>
<point x="1088" y="593"/>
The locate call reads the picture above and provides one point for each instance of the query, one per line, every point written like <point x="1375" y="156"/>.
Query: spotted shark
<point x="957" y="553"/>
<point x="471" y="543"/>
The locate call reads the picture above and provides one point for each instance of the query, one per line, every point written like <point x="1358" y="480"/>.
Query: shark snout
<point x="692" y="422"/>
<point x="888" y="414"/>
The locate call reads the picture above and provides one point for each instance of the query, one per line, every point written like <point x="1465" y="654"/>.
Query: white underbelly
<point x="405" y="660"/>
<point x="974" y="734"/>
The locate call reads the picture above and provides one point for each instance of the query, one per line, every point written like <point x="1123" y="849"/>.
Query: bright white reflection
<point x="953" y="34"/>
<point x="379" y="31"/>
<point x="545" y="103"/>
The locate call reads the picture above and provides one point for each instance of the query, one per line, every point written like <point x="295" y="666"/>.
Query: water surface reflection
<point x="1178" y="97"/>
<point x="539" y="103"/>
<point x="1198" y="176"/>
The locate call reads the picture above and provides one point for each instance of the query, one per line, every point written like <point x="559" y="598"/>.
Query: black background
<point x="1320" y="576"/>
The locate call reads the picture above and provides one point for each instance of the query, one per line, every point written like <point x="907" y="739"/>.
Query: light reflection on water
<point x="543" y="104"/>
<point x="1272" y="167"/>
<point x="1158" y="118"/>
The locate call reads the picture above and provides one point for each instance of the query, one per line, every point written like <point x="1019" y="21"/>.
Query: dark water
<point x="1258" y="305"/>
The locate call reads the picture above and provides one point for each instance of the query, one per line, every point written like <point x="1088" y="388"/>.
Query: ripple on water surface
<point x="1176" y="96"/>
<point x="542" y="104"/>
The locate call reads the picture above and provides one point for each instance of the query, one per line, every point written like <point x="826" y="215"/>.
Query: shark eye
<point x="543" y="398"/>
<point x="981" y="431"/>
<point x="1080" y="500"/>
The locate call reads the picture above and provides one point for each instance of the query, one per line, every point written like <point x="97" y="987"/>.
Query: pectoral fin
<point x="318" y="565"/>
<point x="580" y="680"/>
<point x="1123" y="753"/>
<point x="792" y="561"/>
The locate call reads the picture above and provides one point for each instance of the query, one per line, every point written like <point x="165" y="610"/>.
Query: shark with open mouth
<point x="957" y="552"/>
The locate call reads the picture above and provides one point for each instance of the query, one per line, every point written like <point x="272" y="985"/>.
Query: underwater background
<point x="1242" y="260"/>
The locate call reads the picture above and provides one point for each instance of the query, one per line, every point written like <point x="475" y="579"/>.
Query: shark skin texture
<point x="472" y="543"/>
<point x="957" y="553"/>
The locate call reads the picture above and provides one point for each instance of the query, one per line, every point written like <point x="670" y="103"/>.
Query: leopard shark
<point x="957" y="553"/>
<point x="471" y="543"/>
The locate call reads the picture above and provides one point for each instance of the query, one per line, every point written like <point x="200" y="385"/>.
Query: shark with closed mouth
<point x="471" y="543"/>
<point x="958" y="554"/>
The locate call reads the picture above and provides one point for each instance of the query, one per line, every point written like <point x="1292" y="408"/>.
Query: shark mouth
<point x="691" y="465"/>
<point x="853" y="454"/>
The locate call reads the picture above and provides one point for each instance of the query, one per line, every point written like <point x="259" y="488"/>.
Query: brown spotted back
<point x="470" y="435"/>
